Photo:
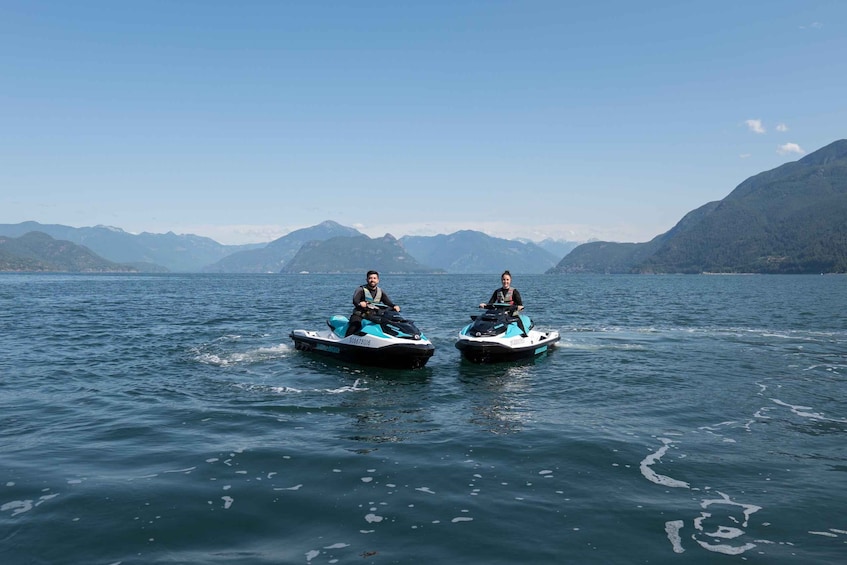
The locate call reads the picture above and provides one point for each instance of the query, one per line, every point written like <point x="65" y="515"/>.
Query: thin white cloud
<point x="746" y="155"/>
<point x="755" y="126"/>
<point x="788" y="148"/>
<point x="813" y="25"/>
<point x="781" y="127"/>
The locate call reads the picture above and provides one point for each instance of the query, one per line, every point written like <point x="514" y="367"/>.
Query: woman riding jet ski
<point x="501" y="334"/>
<point x="385" y="339"/>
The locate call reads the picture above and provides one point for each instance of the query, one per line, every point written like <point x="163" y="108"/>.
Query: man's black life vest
<point x="371" y="298"/>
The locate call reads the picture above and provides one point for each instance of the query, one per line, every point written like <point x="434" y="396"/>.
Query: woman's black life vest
<point x="505" y="298"/>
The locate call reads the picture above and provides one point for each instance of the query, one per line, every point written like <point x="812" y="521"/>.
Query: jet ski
<point x="495" y="336"/>
<point x="386" y="339"/>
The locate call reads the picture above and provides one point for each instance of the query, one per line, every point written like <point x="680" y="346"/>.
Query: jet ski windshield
<point x="393" y="323"/>
<point x="494" y="321"/>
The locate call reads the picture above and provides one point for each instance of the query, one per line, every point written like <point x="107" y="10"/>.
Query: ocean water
<point x="168" y="419"/>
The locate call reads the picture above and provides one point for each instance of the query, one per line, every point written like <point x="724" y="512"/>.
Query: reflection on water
<point x="390" y="412"/>
<point x="498" y="395"/>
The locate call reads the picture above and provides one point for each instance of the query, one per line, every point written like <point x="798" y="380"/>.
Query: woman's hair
<point x="506" y="273"/>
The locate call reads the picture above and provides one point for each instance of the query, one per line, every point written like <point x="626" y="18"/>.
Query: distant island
<point x="789" y="220"/>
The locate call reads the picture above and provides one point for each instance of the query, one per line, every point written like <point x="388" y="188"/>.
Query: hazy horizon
<point x="274" y="232"/>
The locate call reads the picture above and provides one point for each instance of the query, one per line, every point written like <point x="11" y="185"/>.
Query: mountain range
<point x="38" y="252"/>
<point x="791" y="219"/>
<point x="324" y="248"/>
<point x="147" y="251"/>
<point x="468" y="251"/>
<point x="355" y="255"/>
<point x="273" y="257"/>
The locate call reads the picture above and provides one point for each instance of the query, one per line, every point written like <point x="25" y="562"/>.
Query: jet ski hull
<point x="365" y="350"/>
<point x="385" y="339"/>
<point x="501" y="334"/>
<point x="502" y="349"/>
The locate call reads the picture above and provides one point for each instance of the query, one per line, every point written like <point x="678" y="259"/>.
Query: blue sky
<point x="245" y="120"/>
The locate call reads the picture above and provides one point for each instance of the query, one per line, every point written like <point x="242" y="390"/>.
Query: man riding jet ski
<point x="385" y="339"/>
<point x="376" y="333"/>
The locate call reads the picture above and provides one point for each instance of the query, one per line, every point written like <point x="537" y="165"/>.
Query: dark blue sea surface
<point x="169" y="419"/>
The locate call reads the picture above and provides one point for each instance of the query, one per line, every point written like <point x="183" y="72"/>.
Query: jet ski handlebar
<point x="500" y="306"/>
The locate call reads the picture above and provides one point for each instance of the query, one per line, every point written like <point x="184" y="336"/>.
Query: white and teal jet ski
<point x="495" y="335"/>
<point x="386" y="339"/>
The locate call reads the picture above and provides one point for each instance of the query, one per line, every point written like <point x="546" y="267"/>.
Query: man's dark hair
<point x="371" y="273"/>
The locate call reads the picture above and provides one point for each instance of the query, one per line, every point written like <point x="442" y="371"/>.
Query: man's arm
<point x="387" y="301"/>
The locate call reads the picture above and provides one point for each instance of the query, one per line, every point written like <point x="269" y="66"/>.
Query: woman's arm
<point x="491" y="300"/>
<point x="516" y="298"/>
